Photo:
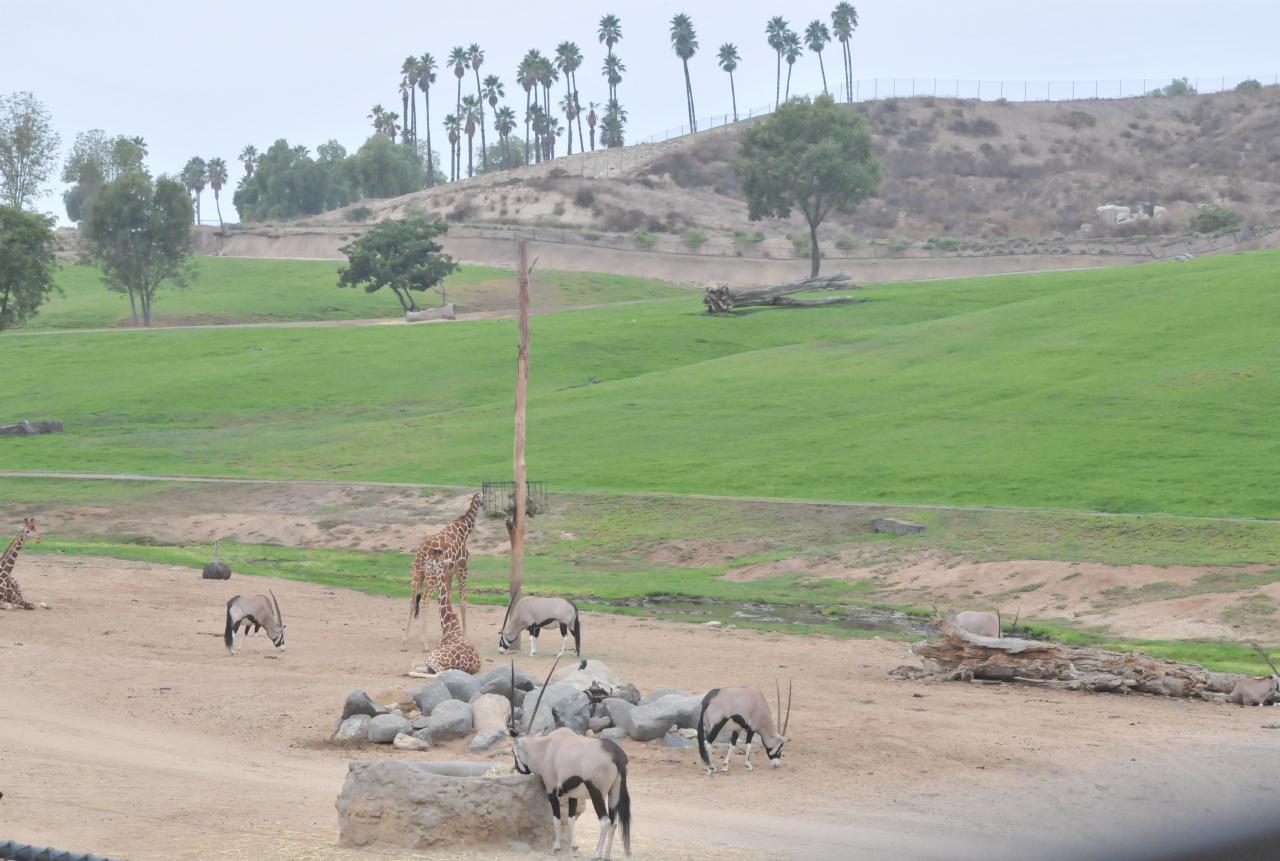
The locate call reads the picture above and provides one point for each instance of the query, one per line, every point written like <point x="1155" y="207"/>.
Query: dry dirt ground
<point x="126" y="729"/>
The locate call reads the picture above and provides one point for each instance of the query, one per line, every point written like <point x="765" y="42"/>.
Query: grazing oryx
<point x="575" y="768"/>
<point x="1256" y="692"/>
<point x="253" y="611"/>
<point x="747" y="708"/>
<point x="532" y="615"/>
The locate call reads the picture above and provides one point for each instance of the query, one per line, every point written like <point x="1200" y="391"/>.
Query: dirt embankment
<point x="126" y="729"/>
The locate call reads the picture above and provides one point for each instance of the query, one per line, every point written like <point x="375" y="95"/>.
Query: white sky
<point x="206" y="78"/>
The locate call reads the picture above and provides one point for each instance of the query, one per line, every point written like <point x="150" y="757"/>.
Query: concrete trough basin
<point x="426" y="805"/>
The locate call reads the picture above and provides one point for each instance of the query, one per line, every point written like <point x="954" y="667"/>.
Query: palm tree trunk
<point x="577" y="110"/>
<point x="484" y="148"/>
<point x="527" y="105"/>
<point x="733" y="92"/>
<point x="848" y="72"/>
<point x="568" y="95"/>
<point x="471" y="139"/>
<point x="688" y="93"/>
<point x="790" y="66"/>
<point x="824" y="73"/>
<point x="777" y="82"/>
<point x="413" y="115"/>
<point x="222" y="228"/>
<point x="431" y="165"/>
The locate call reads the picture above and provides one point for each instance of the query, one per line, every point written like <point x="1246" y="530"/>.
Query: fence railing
<point x="879" y="89"/>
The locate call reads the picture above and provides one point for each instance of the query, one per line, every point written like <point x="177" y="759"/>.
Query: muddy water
<point x="845" y="617"/>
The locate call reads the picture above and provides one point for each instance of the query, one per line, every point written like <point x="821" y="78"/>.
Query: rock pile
<point x="588" y="698"/>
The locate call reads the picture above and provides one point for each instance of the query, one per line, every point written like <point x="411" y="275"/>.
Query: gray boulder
<point x="421" y="722"/>
<point x="422" y="734"/>
<point x="614" y="733"/>
<point x="359" y="703"/>
<point x="545" y="721"/>
<point x="450" y="719"/>
<point x="429" y="696"/>
<point x="619" y="712"/>
<point x="658" y="693"/>
<point x="463" y="686"/>
<point x="498" y="681"/>
<point x="354" y="728"/>
<point x="410" y="742"/>
<point x="384" y="728"/>
<point x="599" y="724"/>
<point x="628" y="692"/>
<point x="486" y="740"/>
<point x="652" y="720"/>
<point x="586" y="673"/>
<point x="673" y="740"/>
<point x="573" y="711"/>
<point x="423" y="806"/>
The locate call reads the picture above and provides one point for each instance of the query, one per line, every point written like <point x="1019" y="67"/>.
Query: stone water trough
<point x="426" y="805"/>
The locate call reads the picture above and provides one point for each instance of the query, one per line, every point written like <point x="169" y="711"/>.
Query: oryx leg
<point x="533" y="640"/>
<point x="751" y="734"/>
<point x="573" y="821"/>
<point x="564" y="639"/>
<point x="711" y="739"/>
<point x="602" y="813"/>
<point x="555" y="818"/>
<point x="733" y="742"/>
<point x="615" y="793"/>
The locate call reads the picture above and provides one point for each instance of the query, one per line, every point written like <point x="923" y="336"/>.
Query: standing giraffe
<point x="9" y="591"/>
<point x="454" y="652"/>
<point x="439" y="557"/>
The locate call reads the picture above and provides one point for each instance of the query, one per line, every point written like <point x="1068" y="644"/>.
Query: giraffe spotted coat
<point x="439" y="558"/>
<point x="10" y="592"/>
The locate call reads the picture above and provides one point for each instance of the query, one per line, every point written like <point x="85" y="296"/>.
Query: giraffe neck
<point x="450" y="629"/>
<point x="10" y="557"/>
<point x="468" y="520"/>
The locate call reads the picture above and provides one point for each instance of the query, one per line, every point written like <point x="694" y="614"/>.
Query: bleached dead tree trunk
<point x="722" y="300"/>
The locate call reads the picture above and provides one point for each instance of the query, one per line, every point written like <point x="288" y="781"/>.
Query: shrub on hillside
<point x="1076" y="119"/>
<point x="617" y="220"/>
<point x="978" y="128"/>
<point x="693" y="239"/>
<point x="847" y="243"/>
<point x="1215" y="219"/>
<point x="360" y="214"/>
<point x="1250" y="86"/>
<point x="748" y="238"/>
<point x="643" y="239"/>
<point x="584" y="197"/>
<point x="1176" y="87"/>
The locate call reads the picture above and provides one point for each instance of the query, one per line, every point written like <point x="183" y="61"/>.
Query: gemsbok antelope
<point x="573" y="767"/>
<point x="747" y="708"/>
<point x="533" y="614"/>
<point x="257" y="612"/>
<point x="1256" y="692"/>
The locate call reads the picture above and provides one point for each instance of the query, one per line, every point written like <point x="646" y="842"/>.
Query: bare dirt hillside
<point x="953" y="168"/>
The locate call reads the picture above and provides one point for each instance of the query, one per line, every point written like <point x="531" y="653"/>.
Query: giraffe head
<point x="29" y="530"/>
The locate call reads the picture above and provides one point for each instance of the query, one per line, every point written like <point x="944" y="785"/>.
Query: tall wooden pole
<point x="522" y="391"/>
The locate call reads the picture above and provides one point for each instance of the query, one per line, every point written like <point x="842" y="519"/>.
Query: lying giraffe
<point x="10" y="593"/>
<point x="454" y="652"/>
<point x="439" y="558"/>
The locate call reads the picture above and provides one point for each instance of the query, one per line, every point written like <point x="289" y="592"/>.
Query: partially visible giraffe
<point x="454" y="652"/>
<point x="10" y="593"/>
<point x="439" y="558"/>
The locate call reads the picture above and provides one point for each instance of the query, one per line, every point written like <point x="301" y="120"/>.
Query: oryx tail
<point x="702" y="727"/>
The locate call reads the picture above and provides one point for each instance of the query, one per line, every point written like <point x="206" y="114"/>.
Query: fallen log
<point x="721" y="300"/>
<point x="961" y="656"/>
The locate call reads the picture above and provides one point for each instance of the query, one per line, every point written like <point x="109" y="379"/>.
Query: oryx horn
<point x="279" y="615"/>
<point x="541" y="691"/>
<point x="787" y="720"/>
<point x="511" y="703"/>
<point x="1265" y="657"/>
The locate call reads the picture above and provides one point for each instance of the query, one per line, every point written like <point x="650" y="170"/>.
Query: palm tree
<point x="612" y="71"/>
<point x="548" y="74"/>
<point x="569" y="58"/>
<point x="613" y="125"/>
<point x="217" y="173"/>
<point x="816" y="36"/>
<point x="504" y="123"/>
<point x="684" y="41"/>
<point x="410" y="69"/>
<point x="379" y="117"/>
<point x="533" y="117"/>
<point x="776" y="31"/>
<point x="592" y="119"/>
<point x="610" y="34"/>
<point x="453" y="126"/>
<point x="791" y="51"/>
<point x="527" y="75"/>
<point x="391" y="118"/>
<point x="459" y="60"/>
<point x="477" y="60"/>
<point x="553" y="131"/>
<point x="570" y="110"/>
<point x="249" y="155"/>
<point x="729" y="60"/>
<point x="427" y="77"/>
<point x="405" y="89"/>
<point x="844" y="20"/>
<point x="194" y="176"/>
<point x="470" y="116"/>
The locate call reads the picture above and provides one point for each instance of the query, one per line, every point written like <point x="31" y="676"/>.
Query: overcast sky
<point x="206" y="79"/>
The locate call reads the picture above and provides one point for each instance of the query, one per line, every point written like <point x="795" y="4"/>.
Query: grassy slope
<point x="228" y="290"/>
<point x="1140" y="389"/>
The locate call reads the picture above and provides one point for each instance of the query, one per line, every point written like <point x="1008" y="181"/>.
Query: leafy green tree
<point x="28" y="148"/>
<point x="139" y="233"/>
<point x="288" y="182"/>
<point x="217" y="174"/>
<point x="844" y="20"/>
<point x="400" y="255"/>
<point x="427" y="77"/>
<point x="775" y="34"/>
<point x="27" y="264"/>
<point x="684" y="41"/>
<point x="96" y="160"/>
<point x="813" y="156"/>
<point x="816" y="36"/>
<point x="194" y="176"/>
<point x="729" y="60"/>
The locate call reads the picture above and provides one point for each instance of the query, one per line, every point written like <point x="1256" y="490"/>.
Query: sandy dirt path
<point x="125" y="729"/>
